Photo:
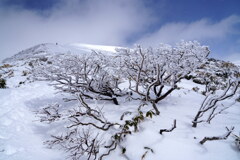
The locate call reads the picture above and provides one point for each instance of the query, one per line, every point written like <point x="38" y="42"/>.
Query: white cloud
<point x="199" y="30"/>
<point x="234" y="58"/>
<point x="108" y="22"/>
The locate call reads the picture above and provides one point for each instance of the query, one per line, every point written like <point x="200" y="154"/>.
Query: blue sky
<point x="215" y="23"/>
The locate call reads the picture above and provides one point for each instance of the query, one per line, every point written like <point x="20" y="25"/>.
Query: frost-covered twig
<point x="49" y="113"/>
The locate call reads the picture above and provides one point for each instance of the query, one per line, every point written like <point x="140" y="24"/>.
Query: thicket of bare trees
<point x="150" y="76"/>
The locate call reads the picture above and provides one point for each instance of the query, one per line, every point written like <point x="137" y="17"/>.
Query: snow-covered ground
<point x="22" y="136"/>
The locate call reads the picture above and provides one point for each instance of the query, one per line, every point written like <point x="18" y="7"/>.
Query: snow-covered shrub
<point x="6" y="71"/>
<point x="214" y="73"/>
<point x="6" y="66"/>
<point x="90" y="75"/>
<point x="216" y="91"/>
<point x="2" y="83"/>
<point x="88" y="134"/>
<point x="85" y="133"/>
<point x="154" y="73"/>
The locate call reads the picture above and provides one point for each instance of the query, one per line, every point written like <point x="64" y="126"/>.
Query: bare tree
<point x="154" y="73"/>
<point x="210" y="105"/>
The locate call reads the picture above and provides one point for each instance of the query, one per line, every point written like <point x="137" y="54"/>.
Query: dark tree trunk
<point x="155" y="108"/>
<point x="196" y="119"/>
<point x="115" y="101"/>
<point x="164" y="95"/>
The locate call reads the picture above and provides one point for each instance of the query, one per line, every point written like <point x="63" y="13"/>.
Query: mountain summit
<point x="48" y="49"/>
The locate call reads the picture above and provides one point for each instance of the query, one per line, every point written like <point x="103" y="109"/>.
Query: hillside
<point x="24" y="136"/>
<point x="49" y="49"/>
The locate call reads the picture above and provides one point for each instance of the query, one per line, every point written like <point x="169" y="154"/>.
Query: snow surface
<point x="22" y="135"/>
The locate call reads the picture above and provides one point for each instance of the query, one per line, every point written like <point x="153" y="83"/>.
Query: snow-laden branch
<point x="224" y="137"/>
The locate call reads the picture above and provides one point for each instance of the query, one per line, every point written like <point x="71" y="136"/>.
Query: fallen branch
<point x="148" y="149"/>
<point x="171" y="129"/>
<point x="224" y="137"/>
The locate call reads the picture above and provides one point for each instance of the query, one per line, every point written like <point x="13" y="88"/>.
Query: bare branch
<point x="224" y="137"/>
<point x="171" y="129"/>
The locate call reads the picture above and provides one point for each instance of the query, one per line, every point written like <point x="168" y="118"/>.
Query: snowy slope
<point x="47" y="49"/>
<point x="22" y="135"/>
<point x="20" y="63"/>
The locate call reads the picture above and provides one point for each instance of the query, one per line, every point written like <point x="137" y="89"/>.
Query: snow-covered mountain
<point x="48" y="49"/>
<point x="22" y="135"/>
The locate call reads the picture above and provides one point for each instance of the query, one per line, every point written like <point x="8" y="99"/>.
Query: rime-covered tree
<point x="154" y="73"/>
<point x="90" y="75"/>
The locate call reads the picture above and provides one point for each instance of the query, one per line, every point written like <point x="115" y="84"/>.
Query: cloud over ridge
<point x="98" y="22"/>
<point x="107" y="22"/>
<point x="198" y="30"/>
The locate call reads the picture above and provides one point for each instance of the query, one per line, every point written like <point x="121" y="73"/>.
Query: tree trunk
<point x="195" y="120"/>
<point x="155" y="108"/>
<point x="164" y="95"/>
<point x="115" y="101"/>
